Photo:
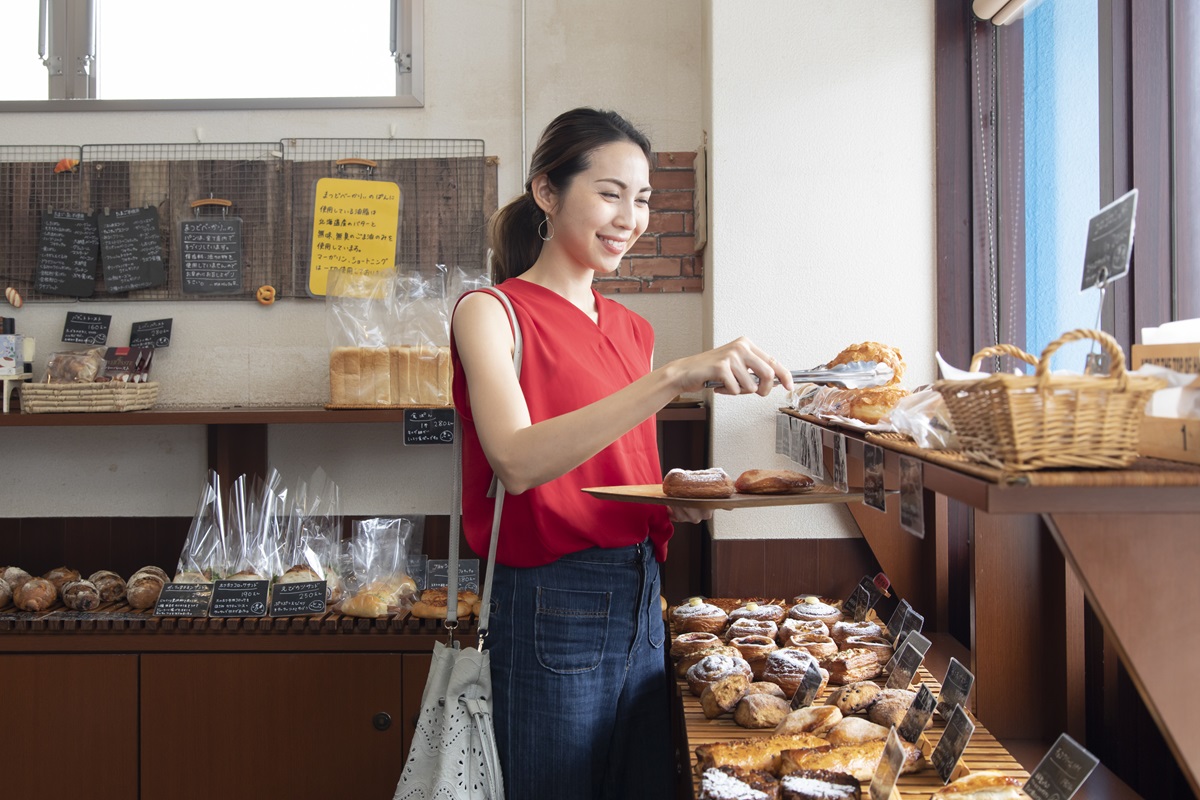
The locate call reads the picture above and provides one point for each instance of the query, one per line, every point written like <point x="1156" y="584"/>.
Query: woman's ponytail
<point x="513" y="237"/>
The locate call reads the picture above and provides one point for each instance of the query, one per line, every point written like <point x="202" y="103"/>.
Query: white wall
<point x="638" y="58"/>
<point x="821" y="168"/>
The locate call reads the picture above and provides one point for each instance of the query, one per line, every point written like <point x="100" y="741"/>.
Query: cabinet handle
<point x="382" y="721"/>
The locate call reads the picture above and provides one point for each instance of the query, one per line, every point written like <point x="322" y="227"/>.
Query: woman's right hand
<point x="736" y="367"/>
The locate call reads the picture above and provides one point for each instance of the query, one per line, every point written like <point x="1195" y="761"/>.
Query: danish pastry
<point x="791" y="626"/>
<point x="711" y="669"/>
<point x="818" y="646"/>
<point x="751" y="627"/>
<point x="686" y="644"/>
<point x="687" y="662"/>
<point x="712" y="483"/>
<point x="872" y="351"/>
<point x="851" y="666"/>
<point x="840" y="631"/>
<point x="811" y="608"/>
<point x="772" y="481"/>
<point x="755" y="650"/>
<point x="754" y="611"/>
<point x="697" y="615"/>
<point x="878" y="645"/>
<point x="786" y="667"/>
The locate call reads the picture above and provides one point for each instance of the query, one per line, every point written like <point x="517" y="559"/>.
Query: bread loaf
<point x="814" y="719"/>
<point x="144" y="587"/>
<point x="758" y="753"/>
<point x="858" y="760"/>
<point x="15" y="577"/>
<point x="772" y="481"/>
<point x="60" y="576"/>
<point x="983" y="785"/>
<point x="80" y="595"/>
<point x="110" y="585"/>
<point x="732" y="783"/>
<point x="301" y="573"/>
<point x="760" y="711"/>
<point x="855" y="697"/>
<point x="36" y="594"/>
<point x="433" y="603"/>
<point x="157" y="571"/>
<point x="855" y="730"/>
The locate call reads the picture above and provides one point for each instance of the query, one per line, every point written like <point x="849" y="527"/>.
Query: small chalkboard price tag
<point x="83" y="328"/>
<point x="956" y="687"/>
<point x="210" y="250"/>
<point x="781" y="434"/>
<point x="429" y="426"/>
<point x="953" y="744"/>
<point x="887" y="771"/>
<point x="874" y="494"/>
<point x="239" y="599"/>
<point x="840" y="477"/>
<point x="913" y="621"/>
<point x="908" y="661"/>
<point x="857" y="604"/>
<point x="68" y="254"/>
<point x="818" y="451"/>
<point x="810" y="684"/>
<point x="795" y="438"/>
<point x="1061" y="771"/>
<point x="298" y="599"/>
<point x="917" y="716"/>
<point x="914" y="638"/>
<point x="897" y="619"/>
<point x="437" y="574"/>
<point x="912" y="497"/>
<point x="151" y="333"/>
<point x="131" y="250"/>
<point x="1109" y="241"/>
<point x="184" y="600"/>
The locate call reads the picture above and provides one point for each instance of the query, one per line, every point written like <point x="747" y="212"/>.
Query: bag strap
<point x="456" y="501"/>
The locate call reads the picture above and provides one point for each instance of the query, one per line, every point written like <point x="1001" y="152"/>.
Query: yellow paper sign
<point x="355" y="224"/>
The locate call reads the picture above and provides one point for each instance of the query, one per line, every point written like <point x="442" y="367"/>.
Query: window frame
<point x="66" y="38"/>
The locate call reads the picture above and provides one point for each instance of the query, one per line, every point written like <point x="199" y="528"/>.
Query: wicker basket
<point x="1020" y="423"/>
<point x="57" y="398"/>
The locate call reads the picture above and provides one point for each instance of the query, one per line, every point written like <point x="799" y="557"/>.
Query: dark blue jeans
<point x="579" y="678"/>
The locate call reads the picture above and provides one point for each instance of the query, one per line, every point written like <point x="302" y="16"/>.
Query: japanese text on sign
<point x="355" y="224"/>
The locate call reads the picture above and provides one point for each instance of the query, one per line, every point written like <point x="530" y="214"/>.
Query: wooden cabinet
<point x="71" y="721"/>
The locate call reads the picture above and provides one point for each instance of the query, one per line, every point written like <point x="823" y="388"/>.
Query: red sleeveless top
<point x="568" y="362"/>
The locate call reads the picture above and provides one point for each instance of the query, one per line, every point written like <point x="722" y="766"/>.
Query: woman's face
<point x="603" y="211"/>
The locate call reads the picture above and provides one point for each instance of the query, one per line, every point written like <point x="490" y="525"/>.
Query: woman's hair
<point x="563" y="151"/>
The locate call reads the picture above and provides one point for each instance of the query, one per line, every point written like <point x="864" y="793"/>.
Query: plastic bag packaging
<point x="75" y="366"/>
<point x="255" y="528"/>
<point x="203" y="556"/>
<point x="379" y="580"/>
<point x="923" y="416"/>
<point x="321" y="531"/>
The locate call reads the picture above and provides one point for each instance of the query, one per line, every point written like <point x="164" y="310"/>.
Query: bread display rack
<point x="59" y="398"/>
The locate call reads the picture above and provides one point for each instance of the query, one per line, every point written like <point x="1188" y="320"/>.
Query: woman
<point x="576" y="633"/>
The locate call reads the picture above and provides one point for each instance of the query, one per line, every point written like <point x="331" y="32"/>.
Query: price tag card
<point x="908" y="661"/>
<point x="887" y="771"/>
<point x="184" y="600"/>
<point x="781" y="435"/>
<point x="912" y="622"/>
<point x="810" y="684"/>
<point x="818" y="452"/>
<point x="429" y="426"/>
<point x="1061" y="771"/>
<point x="873" y="491"/>
<point x="897" y="619"/>
<point x="298" y="599"/>
<point x="857" y="604"/>
<point x="437" y="574"/>
<point x="794" y="439"/>
<point x="952" y="744"/>
<point x="882" y="584"/>
<point x="239" y="599"/>
<point x="83" y="328"/>
<point x="913" y="638"/>
<point x="1109" y="242"/>
<point x="912" y="497"/>
<point x="803" y="446"/>
<point x="840" y="478"/>
<point x="917" y="716"/>
<point x="956" y="686"/>
<point x="151" y="333"/>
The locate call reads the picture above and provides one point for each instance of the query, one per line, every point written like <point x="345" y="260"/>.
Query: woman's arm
<point x="525" y="455"/>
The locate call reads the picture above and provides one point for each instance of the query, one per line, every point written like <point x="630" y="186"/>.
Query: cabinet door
<point x="72" y="721"/>
<point x="270" y="725"/>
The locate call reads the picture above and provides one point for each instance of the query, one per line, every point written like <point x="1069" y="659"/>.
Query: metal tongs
<point x="855" y="375"/>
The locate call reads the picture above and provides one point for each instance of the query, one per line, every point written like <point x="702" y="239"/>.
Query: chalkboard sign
<point x="429" y="426"/>
<point x="874" y="494"/>
<point x="239" y="599"/>
<point x="1061" y="771"/>
<point x="437" y="574"/>
<point x="298" y="599"/>
<point x="151" y="333"/>
<point x="917" y="716"/>
<point x="184" y="600"/>
<point x="913" y="638"/>
<point x="1109" y="241"/>
<point x="952" y="744"/>
<point x="857" y="604"/>
<point x="908" y="661"/>
<point x="68" y="252"/>
<point x="131" y="250"/>
<point x="887" y="771"/>
<point x="810" y="684"/>
<point x="955" y="688"/>
<point x="210" y="250"/>
<point x="83" y="328"/>
<point x="912" y="622"/>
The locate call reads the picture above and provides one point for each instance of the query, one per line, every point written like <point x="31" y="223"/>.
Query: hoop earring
<point x="547" y="224"/>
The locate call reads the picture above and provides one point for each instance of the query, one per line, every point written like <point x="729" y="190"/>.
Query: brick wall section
<point x="665" y="258"/>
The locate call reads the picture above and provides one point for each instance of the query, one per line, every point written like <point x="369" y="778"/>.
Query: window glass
<point x="1062" y="172"/>
<point x="23" y="71"/>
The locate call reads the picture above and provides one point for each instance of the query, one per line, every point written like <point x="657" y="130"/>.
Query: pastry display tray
<point x="652" y="493"/>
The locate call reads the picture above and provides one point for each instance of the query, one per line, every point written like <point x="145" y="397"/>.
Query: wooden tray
<point x="653" y="493"/>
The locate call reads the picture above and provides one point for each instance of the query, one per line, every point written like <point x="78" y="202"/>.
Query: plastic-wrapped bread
<point x="300" y="573"/>
<point x="365" y="604"/>
<point x="36" y="594"/>
<point x="110" y="585"/>
<point x="80" y="595"/>
<point x="143" y="588"/>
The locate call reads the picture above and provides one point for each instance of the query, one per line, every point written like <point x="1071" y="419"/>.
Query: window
<point x="143" y="54"/>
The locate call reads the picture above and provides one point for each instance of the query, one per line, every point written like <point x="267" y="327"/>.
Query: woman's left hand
<point x="692" y="515"/>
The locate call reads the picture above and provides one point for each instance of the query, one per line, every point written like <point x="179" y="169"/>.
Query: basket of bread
<point x="1021" y="423"/>
<point x="86" y="381"/>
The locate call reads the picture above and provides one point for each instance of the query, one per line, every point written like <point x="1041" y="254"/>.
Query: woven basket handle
<point x="1107" y="342"/>
<point x="1001" y="350"/>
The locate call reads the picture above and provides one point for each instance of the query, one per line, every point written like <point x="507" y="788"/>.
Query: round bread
<point x="162" y="575"/>
<point x="786" y="667"/>
<point x="433" y="603"/>
<point x="697" y="615"/>
<point x="6" y="593"/>
<point x="844" y="629"/>
<point x="878" y="645"/>
<point x="711" y="669"/>
<point x="791" y="626"/>
<point x="872" y="351"/>
<point x="772" y="481"/>
<point x="61" y="575"/>
<point x="755" y="650"/>
<point x="110" y="585"/>
<point x="701" y="484"/>
<point x="80" y="595"/>
<point x="816" y="720"/>
<point x="760" y="711"/>
<point x="765" y="687"/>
<point x="16" y="578"/>
<point x="687" y="643"/>
<point x="750" y="627"/>
<point x="36" y="594"/>
<point x="811" y="608"/>
<point x="868" y="405"/>
<point x="818" y="646"/>
<point x="890" y="707"/>
<point x="855" y="730"/>
<point x="143" y="588"/>
<point x="855" y="697"/>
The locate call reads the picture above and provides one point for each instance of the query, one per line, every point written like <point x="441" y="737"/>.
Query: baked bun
<point x="814" y="719"/>
<point x="855" y="730"/>
<point x="812" y="608"/>
<point x="153" y="570"/>
<point x="750" y="627"/>
<point x="755" y="650"/>
<point x="36" y="594"/>
<point x="301" y="573"/>
<point x="245" y="575"/>
<point x="890" y="707"/>
<point x="855" y="697"/>
<point x="144" y="587"/>
<point x="867" y="405"/>
<point x="433" y="604"/>
<point x="765" y="687"/>
<point x="80" y="595"/>
<point x="15" y="577"/>
<point x="983" y="785"/>
<point x="872" y="351"/>
<point x="723" y="696"/>
<point x="760" y="711"/>
<point x="367" y="605"/>
<point x="711" y="669"/>
<point x="772" y="481"/>
<point x="701" y="484"/>
<point x="6" y="593"/>
<point x="190" y="576"/>
<point x="61" y="575"/>
<point x="786" y="667"/>
<point x="687" y="643"/>
<point x="844" y="629"/>
<point x="110" y="585"/>
<point x="758" y="612"/>
<point x="697" y="615"/>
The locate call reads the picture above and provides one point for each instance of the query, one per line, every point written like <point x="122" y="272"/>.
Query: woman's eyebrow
<point x="621" y="184"/>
